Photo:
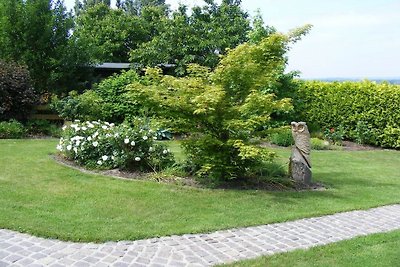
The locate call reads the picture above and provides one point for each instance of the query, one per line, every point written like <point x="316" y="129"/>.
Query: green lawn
<point x="381" y="250"/>
<point x="42" y="197"/>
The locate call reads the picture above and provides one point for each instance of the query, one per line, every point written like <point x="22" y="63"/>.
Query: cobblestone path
<point x="18" y="249"/>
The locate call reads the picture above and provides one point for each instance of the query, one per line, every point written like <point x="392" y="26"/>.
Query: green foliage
<point x="367" y="111"/>
<point x="38" y="34"/>
<point x="107" y="101"/>
<point x="259" y="31"/>
<point x="136" y="7"/>
<point x="282" y="137"/>
<point x="109" y="34"/>
<point x="222" y="108"/>
<point x="11" y="130"/>
<point x="196" y="38"/>
<point x="334" y="135"/>
<point x="43" y="127"/>
<point x="116" y="106"/>
<point x="318" y="144"/>
<point x="86" y="106"/>
<point x="364" y="133"/>
<point x="16" y="93"/>
<point x="103" y="145"/>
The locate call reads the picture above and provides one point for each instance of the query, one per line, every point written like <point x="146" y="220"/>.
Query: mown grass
<point x="42" y="197"/>
<point x="369" y="251"/>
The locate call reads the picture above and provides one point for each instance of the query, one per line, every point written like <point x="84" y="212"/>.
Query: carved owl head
<point x="299" y="127"/>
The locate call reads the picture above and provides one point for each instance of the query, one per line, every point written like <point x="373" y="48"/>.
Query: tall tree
<point x="109" y="33"/>
<point x="38" y="33"/>
<point x="135" y="7"/>
<point x="197" y="38"/>
<point x="86" y="4"/>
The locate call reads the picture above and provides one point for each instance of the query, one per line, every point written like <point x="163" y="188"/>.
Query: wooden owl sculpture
<point x="301" y="137"/>
<point x="300" y="162"/>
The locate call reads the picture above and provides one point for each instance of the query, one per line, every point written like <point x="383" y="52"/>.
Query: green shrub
<point x="11" y="130"/>
<point x="368" y="112"/>
<point x="117" y="107"/>
<point x="364" y="134"/>
<point x="334" y="135"/>
<point x="103" y="145"/>
<point x="282" y="137"/>
<point x="319" y="144"/>
<point x="16" y="93"/>
<point x="86" y="106"/>
<point x="43" y="127"/>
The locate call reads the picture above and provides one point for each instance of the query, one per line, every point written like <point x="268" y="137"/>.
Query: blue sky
<point x="349" y="39"/>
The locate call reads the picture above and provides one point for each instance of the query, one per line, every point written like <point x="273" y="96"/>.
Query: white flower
<point x="137" y="158"/>
<point x="74" y="125"/>
<point x="108" y="135"/>
<point x="64" y="127"/>
<point x="95" y="134"/>
<point x="112" y="157"/>
<point x="133" y="143"/>
<point x="95" y="143"/>
<point x="69" y="147"/>
<point x="89" y="138"/>
<point x="155" y="137"/>
<point x="116" y="134"/>
<point x="151" y="149"/>
<point x="104" y="127"/>
<point x="78" y="143"/>
<point x="90" y="125"/>
<point x="59" y="147"/>
<point x="84" y="128"/>
<point x="99" y="162"/>
<point x="165" y="151"/>
<point x="112" y="124"/>
<point x="126" y="141"/>
<point x="145" y="137"/>
<point x="104" y="157"/>
<point x="75" y="150"/>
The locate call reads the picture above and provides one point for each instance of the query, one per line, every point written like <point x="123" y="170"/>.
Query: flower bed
<point x="104" y="145"/>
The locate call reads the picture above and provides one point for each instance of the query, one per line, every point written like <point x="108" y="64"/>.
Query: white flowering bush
<point x="104" y="145"/>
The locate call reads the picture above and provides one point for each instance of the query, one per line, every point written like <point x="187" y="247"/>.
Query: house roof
<point x="109" y="65"/>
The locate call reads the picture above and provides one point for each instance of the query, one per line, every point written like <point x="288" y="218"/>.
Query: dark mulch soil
<point x="278" y="184"/>
<point x="129" y="175"/>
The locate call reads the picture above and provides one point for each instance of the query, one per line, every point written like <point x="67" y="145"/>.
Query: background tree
<point x="86" y="4"/>
<point x="199" y="38"/>
<point x="109" y="33"/>
<point x="38" y="34"/>
<point x="135" y="7"/>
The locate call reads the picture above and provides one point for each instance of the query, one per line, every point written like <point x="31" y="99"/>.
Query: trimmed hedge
<point x="368" y="112"/>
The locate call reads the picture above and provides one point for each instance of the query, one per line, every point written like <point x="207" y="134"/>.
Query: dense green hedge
<point x="368" y="112"/>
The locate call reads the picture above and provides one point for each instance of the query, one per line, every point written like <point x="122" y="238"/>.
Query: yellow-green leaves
<point x="369" y="112"/>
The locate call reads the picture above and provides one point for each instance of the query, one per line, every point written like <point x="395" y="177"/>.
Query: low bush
<point x="11" y="130"/>
<point x="103" y="145"/>
<point x="318" y="144"/>
<point x="281" y="137"/>
<point x="334" y="135"/>
<point x="16" y="93"/>
<point x="85" y="107"/>
<point x="368" y="112"/>
<point x="43" y="127"/>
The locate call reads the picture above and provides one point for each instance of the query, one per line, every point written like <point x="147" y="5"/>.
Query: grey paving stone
<point x="201" y="249"/>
